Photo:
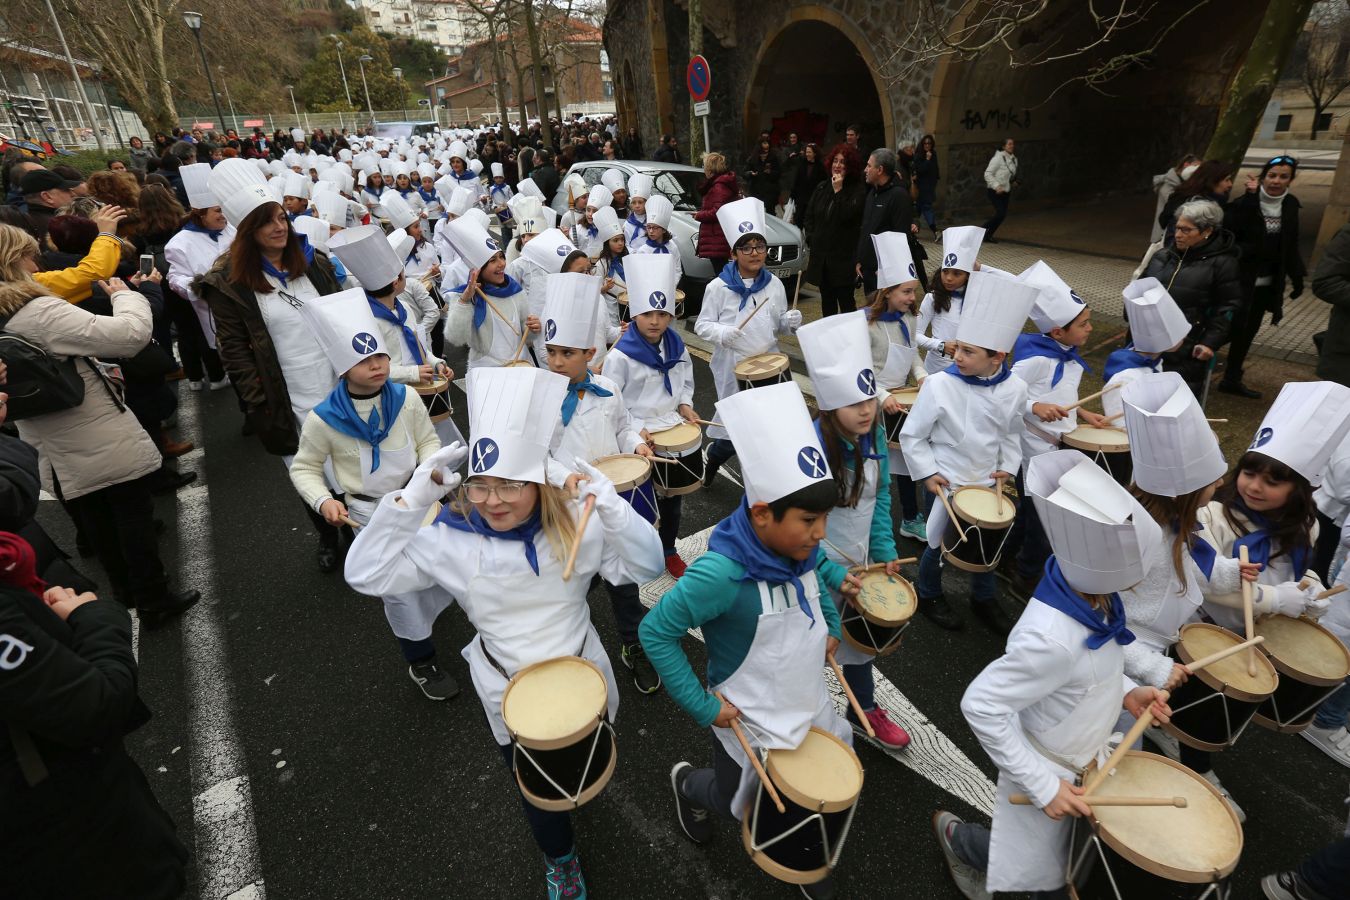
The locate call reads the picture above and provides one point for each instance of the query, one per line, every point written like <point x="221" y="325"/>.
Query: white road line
<point x="135" y="637"/>
<point x="225" y="834"/>
<point x="930" y="752"/>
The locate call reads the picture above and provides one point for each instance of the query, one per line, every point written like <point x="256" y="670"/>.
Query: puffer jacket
<point x="717" y="191"/>
<point x="98" y="443"/>
<point x="1206" y="283"/>
<point x="1331" y="284"/>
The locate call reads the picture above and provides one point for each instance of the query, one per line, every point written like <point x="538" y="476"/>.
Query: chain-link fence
<point x="245" y="122"/>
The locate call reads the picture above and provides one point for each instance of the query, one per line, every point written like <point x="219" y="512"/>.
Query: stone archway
<point x="816" y="73"/>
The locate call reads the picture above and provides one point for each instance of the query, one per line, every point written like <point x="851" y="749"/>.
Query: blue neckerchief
<point x="1258" y="542"/>
<point x="339" y="413"/>
<point x="735" y="538"/>
<point x="1029" y="346"/>
<point x="404" y="193"/>
<point x="640" y="350"/>
<point x="574" y="389"/>
<point x="480" y="309"/>
<point x="427" y="196"/>
<point x="1128" y="358"/>
<point x="375" y="192"/>
<point x="868" y="443"/>
<point x="977" y="381"/>
<point x="731" y="277"/>
<point x="616" y="267"/>
<point x="398" y="316"/>
<point x="525" y="532"/>
<point x="959" y="295"/>
<point x="282" y="276"/>
<point x="467" y="176"/>
<point x="339" y="270"/>
<point x="662" y="248"/>
<point x="638" y="224"/>
<point x="498" y="188"/>
<point x="214" y="233"/>
<point x="1055" y="593"/>
<point x="1202" y="551"/>
<point x="294" y="216"/>
<point x="892" y="315"/>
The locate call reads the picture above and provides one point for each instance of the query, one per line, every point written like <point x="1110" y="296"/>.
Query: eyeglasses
<point x="1185" y="229"/>
<point x="753" y="249"/>
<point x="506" y="491"/>
<point x="1283" y="161"/>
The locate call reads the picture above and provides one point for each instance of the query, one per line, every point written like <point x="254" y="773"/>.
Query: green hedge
<point x="89" y="161"/>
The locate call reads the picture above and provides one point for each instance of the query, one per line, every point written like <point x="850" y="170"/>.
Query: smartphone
<point x="147" y="263"/>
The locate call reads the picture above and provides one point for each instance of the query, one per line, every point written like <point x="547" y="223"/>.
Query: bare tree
<point x="494" y="18"/>
<point x="1323" y="71"/>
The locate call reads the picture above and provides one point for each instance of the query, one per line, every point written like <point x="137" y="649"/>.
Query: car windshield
<point x="681" y="188"/>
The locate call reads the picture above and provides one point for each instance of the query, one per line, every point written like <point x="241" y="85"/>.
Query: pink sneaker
<point x="889" y="734"/>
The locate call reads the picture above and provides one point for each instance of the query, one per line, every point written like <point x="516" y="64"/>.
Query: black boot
<point x="163" y="610"/>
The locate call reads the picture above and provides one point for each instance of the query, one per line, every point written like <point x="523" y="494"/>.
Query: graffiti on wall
<point x="1002" y="119"/>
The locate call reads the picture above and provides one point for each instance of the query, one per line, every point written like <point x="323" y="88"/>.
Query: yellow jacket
<point x="76" y="284"/>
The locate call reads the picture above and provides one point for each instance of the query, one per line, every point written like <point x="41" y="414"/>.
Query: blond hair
<point x="556" y="519"/>
<point x="16" y="284"/>
<point x="714" y="163"/>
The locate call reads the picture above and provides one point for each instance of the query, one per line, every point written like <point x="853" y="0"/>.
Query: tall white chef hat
<point x="776" y="441"/>
<point x="960" y="246"/>
<point x="297" y="185"/>
<point x="613" y="179"/>
<point x="650" y="278"/>
<point x="460" y="149"/>
<point x="738" y="219"/>
<point x="659" y="211"/>
<point x="1173" y="448"/>
<point x="995" y="310"/>
<point x="426" y="170"/>
<point x="512" y="411"/>
<point x="298" y="134"/>
<point x="456" y="199"/>
<point x="476" y="166"/>
<point x="607" y="224"/>
<point x="344" y="327"/>
<point x="895" y="262"/>
<point x="571" y="308"/>
<point x="1102" y="538"/>
<point x="599" y="197"/>
<point x="366" y="253"/>
<point x="639" y="185"/>
<point x="332" y="208"/>
<point x="239" y="187"/>
<point x="400" y="214"/>
<point x="498" y="170"/>
<point x="839" y="360"/>
<point x="401" y="242"/>
<point x="471" y="241"/>
<point x="548" y="250"/>
<point x="1304" y="426"/>
<point x="477" y="216"/>
<point x="195" y="179"/>
<point x="1157" y="324"/>
<point x="314" y="229"/>
<point x="527" y="188"/>
<point x="526" y="211"/>
<point x="276" y="189"/>
<point x="1056" y="305"/>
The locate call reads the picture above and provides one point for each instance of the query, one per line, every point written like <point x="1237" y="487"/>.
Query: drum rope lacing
<point x="574" y="798"/>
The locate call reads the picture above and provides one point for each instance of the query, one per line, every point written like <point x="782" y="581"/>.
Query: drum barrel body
<point x="983" y="545"/>
<point x="686" y="476"/>
<point x="1098" y="872"/>
<point x="801" y="856"/>
<point x="894" y="422"/>
<point x="876" y="628"/>
<point x="582" y="769"/>
<point x="1313" y="664"/>
<point x="1208" y="714"/>
<point x="436" y="397"/>
<point x="762" y="370"/>
<point x="1107" y="448"/>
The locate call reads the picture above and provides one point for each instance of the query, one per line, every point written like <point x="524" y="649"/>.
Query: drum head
<point x="1107" y="440"/>
<point x="510" y="363"/>
<point x="622" y="298"/>
<point x="764" y="365"/>
<point x="984" y="507"/>
<point x="554" y="703"/>
<point x="1197" y="845"/>
<point x="906" y="395"/>
<point x="886" y="599"/>
<point x="626" y="470"/>
<point x="1305" y="649"/>
<point x="822" y="774"/>
<point x="436" y="386"/>
<point x="1229" y="675"/>
<point x="678" y="437"/>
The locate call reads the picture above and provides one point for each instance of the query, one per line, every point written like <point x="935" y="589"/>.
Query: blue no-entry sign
<point x="699" y="78"/>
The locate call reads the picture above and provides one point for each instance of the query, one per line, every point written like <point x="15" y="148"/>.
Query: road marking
<point x="930" y="753"/>
<point x="229" y="866"/>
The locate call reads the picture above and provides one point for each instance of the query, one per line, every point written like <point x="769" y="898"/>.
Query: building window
<point x="609" y="90"/>
<point x="1284" y="122"/>
<point x="1324" y="122"/>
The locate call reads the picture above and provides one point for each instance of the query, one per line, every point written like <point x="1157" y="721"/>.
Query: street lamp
<point x="193" y="20"/>
<point x="226" y="85"/>
<point x="362" y="60"/>
<point x="402" y="94"/>
<point x="290" y="89"/>
<point x="341" y="67"/>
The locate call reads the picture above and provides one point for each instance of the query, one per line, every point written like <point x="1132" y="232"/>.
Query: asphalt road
<point x="360" y="788"/>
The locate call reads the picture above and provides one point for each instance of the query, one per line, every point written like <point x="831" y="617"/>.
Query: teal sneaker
<point x="916" y="528"/>
<point x="563" y="874"/>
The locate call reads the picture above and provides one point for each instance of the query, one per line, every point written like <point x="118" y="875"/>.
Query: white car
<point x="787" y="257"/>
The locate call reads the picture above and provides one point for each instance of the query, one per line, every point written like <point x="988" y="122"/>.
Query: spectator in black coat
<point x="833" y="218"/>
<point x="632" y="145"/>
<point x="669" y="151"/>
<point x="812" y="170"/>
<point x="926" y="176"/>
<point x="887" y="207"/>
<point x="1331" y="283"/>
<point x="763" y="174"/>
<point x="545" y="175"/>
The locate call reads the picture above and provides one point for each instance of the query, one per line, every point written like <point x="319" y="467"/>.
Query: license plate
<point x="780" y="273"/>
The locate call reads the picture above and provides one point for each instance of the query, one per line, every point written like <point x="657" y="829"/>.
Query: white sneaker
<point x="218" y="385"/>
<point x="1334" y="742"/>
<point x="195" y="386"/>
<point x="969" y="880"/>
<point x="1214" y="780"/>
<point x="1170" y="746"/>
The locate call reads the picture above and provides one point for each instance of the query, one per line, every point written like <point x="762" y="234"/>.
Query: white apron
<point x="204" y="317"/>
<point x="894" y="374"/>
<point x="778" y="687"/>
<point x="937" y="517"/>
<point x="304" y="364"/>
<point x="759" y="336"/>
<point x="851" y="531"/>
<point x="1029" y="851"/>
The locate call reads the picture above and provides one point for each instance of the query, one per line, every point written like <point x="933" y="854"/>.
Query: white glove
<point x="612" y="509"/>
<point x="1288" y="599"/>
<point x="732" y="338"/>
<point x="1316" y="609"/>
<point x="792" y="320"/>
<point x="421" y="491"/>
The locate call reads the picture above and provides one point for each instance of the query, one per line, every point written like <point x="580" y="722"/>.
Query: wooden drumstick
<point x="347" y="521"/>
<point x="797" y="291"/>
<point x="1217" y="420"/>
<point x="1131" y="736"/>
<point x="1105" y="390"/>
<point x="493" y="307"/>
<point x="1178" y="802"/>
<point x="1332" y="592"/>
<point x="1210" y="660"/>
<point x="524" y="336"/>
<point x="1116" y="416"/>
<point x="848" y="692"/>
<point x="706" y="422"/>
<point x="951" y="514"/>
<point x="662" y="459"/>
<point x="754" y="762"/>
<point x="586" y="511"/>
<point x="1111" y="340"/>
<point x="850" y="560"/>
<point x="1247" y="618"/>
<point x="747" y="319"/>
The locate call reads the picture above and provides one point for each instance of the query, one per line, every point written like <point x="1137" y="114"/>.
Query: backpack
<point x="37" y="382"/>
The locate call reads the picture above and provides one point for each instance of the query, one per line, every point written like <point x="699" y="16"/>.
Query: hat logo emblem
<point x="484" y="455"/>
<point x="1073" y="295"/>
<point x="562" y="250"/>
<point x="949" y="260"/>
<point x="365" y="343"/>
<point x="490" y="244"/>
<point x="1263" y="437"/>
<point x="867" y="382"/>
<point x="550" y="330"/>
<point x="811" y="462"/>
<point x="912" y="272"/>
<point x="657" y="300"/>
<point x="745" y="227"/>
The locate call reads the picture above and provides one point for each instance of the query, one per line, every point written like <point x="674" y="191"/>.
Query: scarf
<point x="640" y="350"/>
<point x="1202" y="551"/>
<point x="1129" y="358"/>
<point x="272" y="270"/>
<point x="398" y="316"/>
<point x="868" y="442"/>
<point x="731" y="277"/>
<point x="1030" y="346"/>
<point x="339" y="413"/>
<point x="1258" y="542"/>
<point x="427" y="196"/>
<point x="402" y="192"/>
<point x="498" y="188"/>
<point x="616" y="269"/>
<point x="525" y="532"/>
<point x="467" y="176"/>
<point x="214" y="233"/>
<point x="1055" y="593"/>
<point x="735" y="538"/>
<point x="1002" y="376"/>
<point x="375" y="192"/>
<point x="639" y="225"/>
<point x="18" y="565"/>
<point x="892" y="315"/>
<point x="662" y="248"/>
<point x="500" y="291"/>
<point x="574" y="389"/>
